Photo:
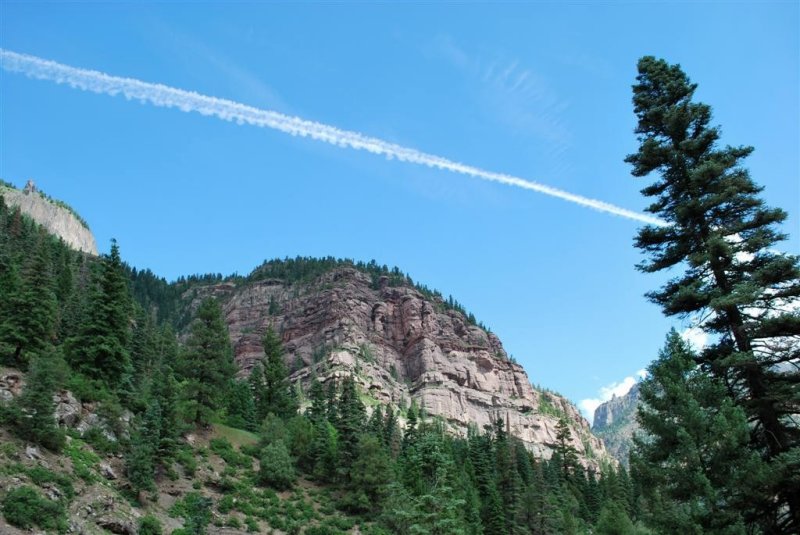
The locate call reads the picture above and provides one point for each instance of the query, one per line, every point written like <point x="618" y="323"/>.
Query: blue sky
<point x="540" y="91"/>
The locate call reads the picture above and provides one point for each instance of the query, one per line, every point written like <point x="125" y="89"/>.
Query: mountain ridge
<point x="400" y="344"/>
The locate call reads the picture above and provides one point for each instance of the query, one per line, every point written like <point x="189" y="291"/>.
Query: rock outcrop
<point x="615" y="423"/>
<point x="56" y="217"/>
<point x="400" y="346"/>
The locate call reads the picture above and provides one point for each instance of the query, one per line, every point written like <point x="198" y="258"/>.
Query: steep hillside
<point x="402" y="345"/>
<point x="58" y="218"/>
<point x="615" y="423"/>
<point x="137" y="430"/>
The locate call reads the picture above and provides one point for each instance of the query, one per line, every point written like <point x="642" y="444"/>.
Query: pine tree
<point x="241" y="408"/>
<point x="30" y="311"/>
<point x="719" y="231"/>
<point x="325" y="450"/>
<point x="318" y="410"/>
<point x="100" y="350"/>
<point x="277" y="468"/>
<point x="272" y="390"/>
<point x="164" y="391"/>
<point x="507" y="478"/>
<point x="564" y="451"/>
<point x="692" y="461"/>
<point x="370" y="476"/>
<point x="140" y="462"/>
<point x="349" y="424"/>
<point x="208" y="362"/>
<point x="32" y="413"/>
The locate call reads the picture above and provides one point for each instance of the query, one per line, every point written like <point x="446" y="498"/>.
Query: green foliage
<point x="195" y="509"/>
<point x="614" y="521"/>
<point x="32" y="412"/>
<point x="186" y="459"/>
<point x="693" y="460"/>
<point x="83" y="460"/>
<point x="277" y="468"/>
<point x="99" y="350"/>
<point x="241" y="408"/>
<point x="269" y="381"/>
<point x="141" y="459"/>
<point x="31" y="304"/>
<point x="721" y="235"/>
<point x="350" y="419"/>
<point x="25" y="508"/>
<point x="207" y="363"/>
<point x="149" y="525"/>
<point x="224" y="449"/>
<point x="547" y="405"/>
<point x="41" y="476"/>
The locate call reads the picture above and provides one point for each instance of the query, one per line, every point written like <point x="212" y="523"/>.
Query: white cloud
<point x="607" y="392"/>
<point x="189" y="101"/>
<point x="695" y="337"/>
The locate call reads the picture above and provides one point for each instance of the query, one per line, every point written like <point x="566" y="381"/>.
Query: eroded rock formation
<point x="399" y="345"/>
<point x="615" y="423"/>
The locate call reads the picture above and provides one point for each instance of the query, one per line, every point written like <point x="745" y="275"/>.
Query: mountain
<point x="466" y="443"/>
<point x="615" y="423"/>
<point x="401" y="343"/>
<point x="54" y="215"/>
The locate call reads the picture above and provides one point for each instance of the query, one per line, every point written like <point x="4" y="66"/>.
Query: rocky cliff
<point x="401" y="345"/>
<point x="615" y="423"/>
<point x="53" y="215"/>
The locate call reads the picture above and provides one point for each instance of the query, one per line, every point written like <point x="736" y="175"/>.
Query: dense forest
<point x="392" y="472"/>
<point x="718" y="454"/>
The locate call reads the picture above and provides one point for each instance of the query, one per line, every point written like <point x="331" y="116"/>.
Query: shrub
<point x="224" y="449"/>
<point x="82" y="461"/>
<point x="277" y="468"/>
<point x="149" y="525"/>
<point x="24" y="508"/>
<point x="187" y="461"/>
<point x="252" y="524"/>
<point x="41" y="475"/>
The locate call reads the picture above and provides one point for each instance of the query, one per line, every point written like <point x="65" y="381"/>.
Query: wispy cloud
<point x="515" y="94"/>
<point x="607" y="392"/>
<point x="189" y="101"/>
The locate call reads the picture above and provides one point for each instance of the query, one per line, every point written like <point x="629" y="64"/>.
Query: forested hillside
<point x="95" y="373"/>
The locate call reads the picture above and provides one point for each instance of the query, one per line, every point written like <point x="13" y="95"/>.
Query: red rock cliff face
<point x="400" y="346"/>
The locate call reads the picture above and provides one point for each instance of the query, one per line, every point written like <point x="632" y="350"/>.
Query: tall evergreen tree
<point x="693" y="462"/>
<point x="350" y="422"/>
<point x="100" y="350"/>
<point x="241" y="409"/>
<point x="564" y="451"/>
<point x="140" y="462"/>
<point x="720" y="231"/>
<point x="29" y="322"/>
<point x="272" y="390"/>
<point x="208" y="362"/>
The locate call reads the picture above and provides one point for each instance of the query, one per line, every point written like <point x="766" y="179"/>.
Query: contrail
<point x="189" y="101"/>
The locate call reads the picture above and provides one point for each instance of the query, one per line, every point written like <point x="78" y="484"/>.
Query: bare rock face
<point x="68" y="409"/>
<point x="10" y="385"/>
<point x="399" y="345"/>
<point x="57" y="219"/>
<point x="615" y="423"/>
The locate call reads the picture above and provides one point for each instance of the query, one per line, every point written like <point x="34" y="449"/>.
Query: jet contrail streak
<point x="189" y="101"/>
